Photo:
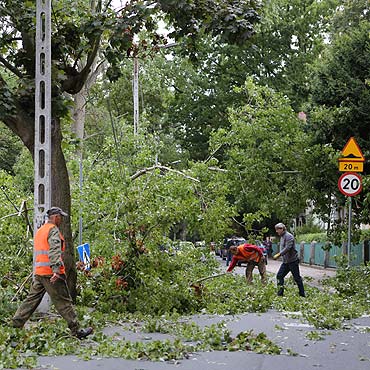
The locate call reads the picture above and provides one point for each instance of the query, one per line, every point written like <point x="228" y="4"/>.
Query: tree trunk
<point x="61" y="197"/>
<point x="78" y="124"/>
<point x="23" y="126"/>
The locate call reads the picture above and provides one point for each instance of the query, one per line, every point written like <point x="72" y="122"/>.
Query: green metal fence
<point x="314" y="254"/>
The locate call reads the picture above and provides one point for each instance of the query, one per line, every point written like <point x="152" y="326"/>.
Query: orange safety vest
<point x="252" y="255"/>
<point x="42" y="248"/>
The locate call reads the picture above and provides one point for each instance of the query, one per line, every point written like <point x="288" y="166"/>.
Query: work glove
<point x="276" y="256"/>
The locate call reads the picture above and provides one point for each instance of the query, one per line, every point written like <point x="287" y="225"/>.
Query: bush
<point x="308" y="238"/>
<point x="365" y="235"/>
<point x="309" y="228"/>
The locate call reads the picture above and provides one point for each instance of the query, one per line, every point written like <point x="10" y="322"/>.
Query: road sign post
<point x="352" y="159"/>
<point x="84" y="255"/>
<point x="350" y="183"/>
<point x="349" y="230"/>
<point x="350" y="166"/>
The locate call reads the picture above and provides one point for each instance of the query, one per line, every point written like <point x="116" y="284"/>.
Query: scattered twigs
<point x="23" y="210"/>
<point x="11" y="280"/>
<point x="22" y="286"/>
<point x="11" y="215"/>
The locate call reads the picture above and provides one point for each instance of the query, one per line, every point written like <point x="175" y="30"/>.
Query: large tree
<point x="287" y="41"/>
<point x="264" y="153"/>
<point x="10" y="148"/>
<point x="341" y="88"/>
<point x="340" y="104"/>
<point x="81" y="31"/>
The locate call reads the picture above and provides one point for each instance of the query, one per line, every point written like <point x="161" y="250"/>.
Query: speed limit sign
<point x="350" y="184"/>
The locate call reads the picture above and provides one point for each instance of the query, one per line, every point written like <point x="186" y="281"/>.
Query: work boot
<point x="83" y="333"/>
<point x="15" y="325"/>
<point x="301" y="289"/>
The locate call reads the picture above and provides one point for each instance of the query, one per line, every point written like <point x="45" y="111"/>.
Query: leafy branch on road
<point x="164" y="303"/>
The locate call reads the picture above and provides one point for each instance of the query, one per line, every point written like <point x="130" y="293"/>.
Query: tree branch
<point x="217" y="169"/>
<point x="7" y="216"/>
<point x="74" y="83"/>
<point x="163" y="168"/>
<point x="293" y="172"/>
<point x="237" y="222"/>
<point x="22" y="211"/>
<point x="10" y="67"/>
<point x="10" y="201"/>
<point x="213" y="153"/>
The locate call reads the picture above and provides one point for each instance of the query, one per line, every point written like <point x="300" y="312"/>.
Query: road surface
<point x="336" y="349"/>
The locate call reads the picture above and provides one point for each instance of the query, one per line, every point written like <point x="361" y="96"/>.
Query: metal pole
<point x="349" y="230"/>
<point x="136" y="95"/>
<point x="42" y="169"/>
<point x="80" y="210"/>
<point x="42" y="182"/>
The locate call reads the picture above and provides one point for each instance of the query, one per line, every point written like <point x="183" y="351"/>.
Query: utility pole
<point x="42" y="182"/>
<point x="42" y="192"/>
<point x="136" y="95"/>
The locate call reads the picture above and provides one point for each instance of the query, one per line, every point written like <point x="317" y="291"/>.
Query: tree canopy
<point x="82" y="34"/>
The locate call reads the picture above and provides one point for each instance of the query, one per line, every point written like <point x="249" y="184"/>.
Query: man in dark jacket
<point x="290" y="260"/>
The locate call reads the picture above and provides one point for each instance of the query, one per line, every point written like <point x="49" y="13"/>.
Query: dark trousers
<point x="284" y="269"/>
<point x="59" y="295"/>
<point x="228" y="257"/>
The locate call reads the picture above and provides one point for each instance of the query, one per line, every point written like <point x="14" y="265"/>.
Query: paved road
<point x="338" y="350"/>
<point x="313" y="275"/>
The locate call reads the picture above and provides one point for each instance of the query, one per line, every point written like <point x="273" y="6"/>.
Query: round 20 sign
<point x="350" y="184"/>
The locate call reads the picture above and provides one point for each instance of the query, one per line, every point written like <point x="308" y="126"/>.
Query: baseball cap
<point x="56" y="211"/>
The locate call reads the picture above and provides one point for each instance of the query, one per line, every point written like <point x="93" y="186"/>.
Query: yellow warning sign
<point x="352" y="152"/>
<point x="349" y="166"/>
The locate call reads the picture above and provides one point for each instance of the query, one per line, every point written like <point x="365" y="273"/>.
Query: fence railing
<point x="314" y="254"/>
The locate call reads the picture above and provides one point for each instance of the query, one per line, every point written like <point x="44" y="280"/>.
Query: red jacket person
<point x="253" y="256"/>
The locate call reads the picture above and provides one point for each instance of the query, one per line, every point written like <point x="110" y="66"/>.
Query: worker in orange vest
<point x="49" y="276"/>
<point x="253" y="256"/>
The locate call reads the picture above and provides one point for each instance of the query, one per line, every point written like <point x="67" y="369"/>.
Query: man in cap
<point x="49" y="276"/>
<point x="290" y="260"/>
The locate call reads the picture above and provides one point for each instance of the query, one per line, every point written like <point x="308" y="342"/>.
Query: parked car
<point x="174" y="247"/>
<point x="228" y="242"/>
